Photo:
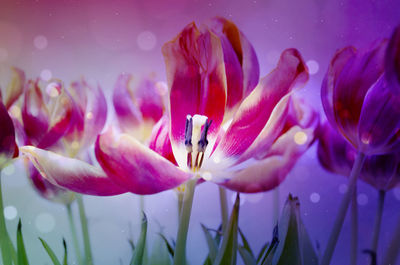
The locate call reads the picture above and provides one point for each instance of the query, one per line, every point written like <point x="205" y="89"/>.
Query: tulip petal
<point x="381" y="171"/>
<point x="96" y="115"/>
<point x="8" y="147"/>
<point x="380" y="119"/>
<point x="196" y="80"/>
<point x="15" y="88"/>
<point x="255" y="111"/>
<point x="46" y="189"/>
<point x="34" y="113"/>
<point x="270" y="132"/>
<point x="354" y="81"/>
<point x="71" y="174"/>
<point x="392" y="61"/>
<point x="135" y="167"/>
<point x="128" y="114"/>
<point x="241" y="63"/>
<point x="340" y="59"/>
<point x="62" y="117"/>
<point x="334" y="153"/>
<point x="149" y="100"/>
<point x="337" y="156"/>
<point x="159" y="139"/>
<point x="263" y="175"/>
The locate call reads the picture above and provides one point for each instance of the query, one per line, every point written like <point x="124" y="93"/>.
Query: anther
<point x="203" y="142"/>
<point x="188" y="140"/>
<point x="188" y="133"/>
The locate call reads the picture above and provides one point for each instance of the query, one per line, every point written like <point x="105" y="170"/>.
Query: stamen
<point x="203" y="142"/>
<point x="188" y="140"/>
<point x="188" y="133"/>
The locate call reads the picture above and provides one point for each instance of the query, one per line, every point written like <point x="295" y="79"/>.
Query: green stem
<point x="378" y="221"/>
<point x="180" y="203"/>
<point x="344" y="205"/>
<point x="74" y="234"/>
<point x="354" y="228"/>
<point x="180" y="249"/>
<point x="85" y="231"/>
<point x="224" y="207"/>
<point x="7" y="249"/>
<point x="393" y="248"/>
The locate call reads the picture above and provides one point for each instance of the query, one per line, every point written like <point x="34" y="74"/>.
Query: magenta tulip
<point x="360" y="95"/>
<point x="253" y="152"/>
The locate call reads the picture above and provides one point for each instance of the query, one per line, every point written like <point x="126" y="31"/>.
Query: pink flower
<point x="360" y="95"/>
<point x="66" y="121"/>
<point x="251" y="152"/>
<point x="8" y="96"/>
<point x="138" y="106"/>
<point x="337" y="156"/>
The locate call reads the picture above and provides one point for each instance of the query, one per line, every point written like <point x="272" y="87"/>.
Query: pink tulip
<point x="8" y="146"/>
<point x="61" y="120"/>
<point x="138" y="106"/>
<point x="360" y="95"/>
<point x="251" y="153"/>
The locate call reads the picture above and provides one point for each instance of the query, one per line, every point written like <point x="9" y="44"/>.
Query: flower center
<point x="196" y="142"/>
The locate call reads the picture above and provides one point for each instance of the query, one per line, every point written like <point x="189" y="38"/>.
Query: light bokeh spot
<point x="46" y="75"/>
<point x="45" y="222"/>
<point x="315" y="197"/>
<point x="313" y="67"/>
<point x="362" y="199"/>
<point x="40" y="42"/>
<point x="146" y="40"/>
<point x="300" y="138"/>
<point x="10" y="212"/>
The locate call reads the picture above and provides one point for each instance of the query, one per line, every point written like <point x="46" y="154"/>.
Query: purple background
<point x="100" y="39"/>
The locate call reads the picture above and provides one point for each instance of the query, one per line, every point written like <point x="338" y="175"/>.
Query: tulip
<point x="65" y="121"/>
<point x="361" y="101"/>
<point x="8" y="151"/>
<point x="253" y="153"/>
<point x="138" y="106"/>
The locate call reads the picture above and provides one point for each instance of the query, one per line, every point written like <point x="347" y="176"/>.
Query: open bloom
<point x="75" y="116"/>
<point x="360" y="95"/>
<point x="337" y="156"/>
<point x="138" y="106"/>
<point x="253" y="152"/>
<point x="8" y="146"/>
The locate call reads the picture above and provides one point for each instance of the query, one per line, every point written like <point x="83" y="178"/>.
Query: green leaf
<point x="211" y="243"/>
<point x="228" y="250"/>
<point x="160" y="253"/>
<point x="50" y="252"/>
<point x="132" y="244"/>
<point x="294" y="243"/>
<point x="262" y="252"/>
<point x="267" y="259"/>
<point x="247" y="257"/>
<point x="170" y="247"/>
<point x="246" y="244"/>
<point x="21" y="252"/>
<point x="137" y="258"/>
<point x="65" y="261"/>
